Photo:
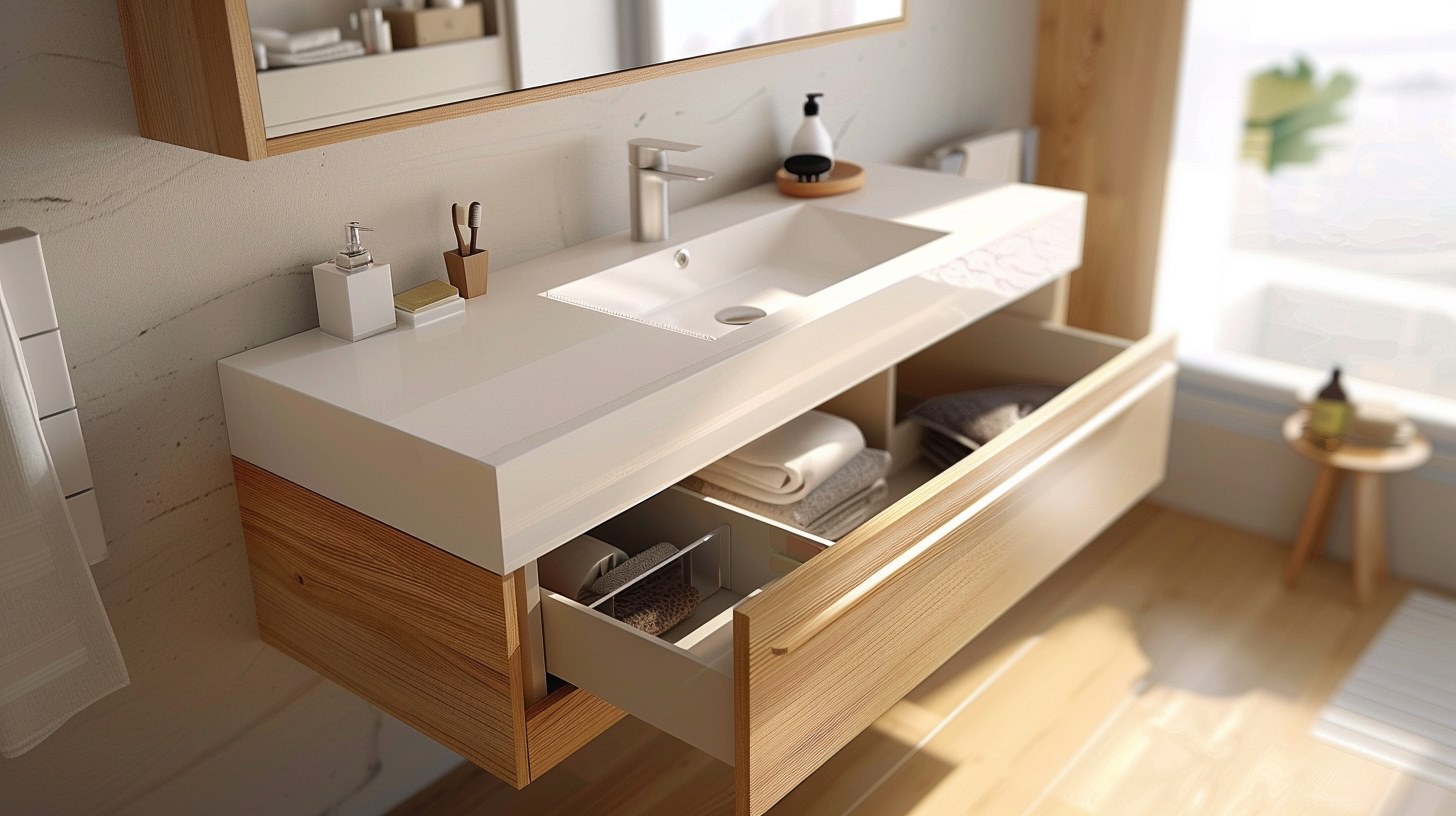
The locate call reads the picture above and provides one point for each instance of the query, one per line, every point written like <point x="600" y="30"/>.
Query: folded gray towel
<point x="637" y="565"/>
<point x="974" y="418"/>
<point x="842" y="520"/>
<point x="941" y="450"/>
<point x="829" y="502"/>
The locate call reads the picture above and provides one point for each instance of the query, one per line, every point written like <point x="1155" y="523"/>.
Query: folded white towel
<point x="278" y="41"/>
<point x="786" y="464"/>
<point x="844" y="502"/>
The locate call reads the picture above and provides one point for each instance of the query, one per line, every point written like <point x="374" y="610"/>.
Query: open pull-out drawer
<point x="781" y="667"/>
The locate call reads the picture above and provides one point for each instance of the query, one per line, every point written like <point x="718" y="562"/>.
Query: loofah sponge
<point x="658" y="603"/>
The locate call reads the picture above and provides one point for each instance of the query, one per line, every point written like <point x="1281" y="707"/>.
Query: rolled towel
<point x="571" y="568"/>
<point x="633" y="567"/>
<point x="658" y="603"/>
<point x="849" y="484"/>
<point x="788" y="463"/>
<point x="974" y="418"/>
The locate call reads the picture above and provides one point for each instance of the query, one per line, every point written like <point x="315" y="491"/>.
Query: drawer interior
<point x="679" y="681"/>
<point x="682" y="680"/>
<point x="1003" y="349"/>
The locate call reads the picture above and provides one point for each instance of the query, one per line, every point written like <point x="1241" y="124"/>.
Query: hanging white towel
<point x="57" y="652"/>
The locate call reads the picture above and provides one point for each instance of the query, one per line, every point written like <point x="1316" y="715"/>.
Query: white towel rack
<point x="26" y="290"/>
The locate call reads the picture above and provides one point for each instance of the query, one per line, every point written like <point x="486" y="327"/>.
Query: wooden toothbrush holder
<point x="468" y="272"/>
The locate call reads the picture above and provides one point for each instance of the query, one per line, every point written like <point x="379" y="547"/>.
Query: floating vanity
<point x="397" y="492"/>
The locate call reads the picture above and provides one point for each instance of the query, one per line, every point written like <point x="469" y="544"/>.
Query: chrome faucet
<point x="650" y="175"/>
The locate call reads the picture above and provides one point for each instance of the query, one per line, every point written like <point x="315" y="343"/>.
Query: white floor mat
<point x="1398" y="705"/>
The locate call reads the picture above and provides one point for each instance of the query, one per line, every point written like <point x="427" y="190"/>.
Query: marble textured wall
<point x="164" y="260"/>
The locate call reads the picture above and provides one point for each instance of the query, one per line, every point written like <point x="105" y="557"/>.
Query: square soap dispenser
<point x="355" y="295"/>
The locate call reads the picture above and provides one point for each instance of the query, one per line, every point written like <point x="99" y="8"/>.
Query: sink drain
<point x="739" y="315"/>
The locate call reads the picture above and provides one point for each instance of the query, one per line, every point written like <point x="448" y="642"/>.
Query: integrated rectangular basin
<point x="769" y="264"/>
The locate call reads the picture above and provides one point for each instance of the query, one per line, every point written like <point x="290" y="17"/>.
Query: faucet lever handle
<point x="649" y="153"/>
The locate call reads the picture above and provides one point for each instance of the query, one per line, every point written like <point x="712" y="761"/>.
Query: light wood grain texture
<point x="1164" y="670"/>
<point x="829" y="648"/>
<point x="561" y="723"/>
<point x="192" y="74"/>
<point x="195" y="85"/>
<point x="1106" y="83"/>
<point x="1314" y="529"/>
<point x="426" y="636"/>
<point x="470" y="274"/>
<point x="1369" y="533"/>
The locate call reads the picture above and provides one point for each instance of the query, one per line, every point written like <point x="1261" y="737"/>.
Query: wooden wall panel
<point x="1106" y="84"/>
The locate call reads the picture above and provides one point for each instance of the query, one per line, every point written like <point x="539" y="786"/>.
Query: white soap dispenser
<point x="355" y="295"/>
<point x="812" y="139"/>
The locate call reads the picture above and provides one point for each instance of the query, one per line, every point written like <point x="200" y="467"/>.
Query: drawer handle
<point x="804" y="633"/>
<point x="798" y="636"/>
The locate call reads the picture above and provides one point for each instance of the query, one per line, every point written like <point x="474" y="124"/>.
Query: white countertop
<point x="499" y="435"/>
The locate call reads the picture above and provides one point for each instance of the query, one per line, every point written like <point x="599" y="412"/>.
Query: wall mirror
<point x="314" y="72"/>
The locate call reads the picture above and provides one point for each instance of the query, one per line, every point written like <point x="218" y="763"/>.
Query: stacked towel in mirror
<point x="305" y="47"/>
<point x="954" y="426"/>
<point x="814" y="473"/>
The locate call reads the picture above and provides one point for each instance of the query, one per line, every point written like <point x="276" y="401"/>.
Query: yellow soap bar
<point x="413" y="300"/>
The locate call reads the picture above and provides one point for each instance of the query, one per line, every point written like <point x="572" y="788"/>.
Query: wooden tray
<point x="846" y="177"/>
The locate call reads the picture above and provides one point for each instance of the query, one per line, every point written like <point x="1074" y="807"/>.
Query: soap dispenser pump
<point x="812" y="139"/>
<point x="355" y="295"/>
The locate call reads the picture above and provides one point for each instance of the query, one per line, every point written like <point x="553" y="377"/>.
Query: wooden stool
<point x="1368" y="466"/>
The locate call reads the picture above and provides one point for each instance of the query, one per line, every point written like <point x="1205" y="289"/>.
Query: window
<point x="1311" y="213"/>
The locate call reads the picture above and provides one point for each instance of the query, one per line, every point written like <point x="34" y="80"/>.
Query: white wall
<point x="165" y="260"/>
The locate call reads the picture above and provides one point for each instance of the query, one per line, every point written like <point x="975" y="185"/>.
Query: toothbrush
<point x="457" y="214"/>
<point x="474" y="225"/>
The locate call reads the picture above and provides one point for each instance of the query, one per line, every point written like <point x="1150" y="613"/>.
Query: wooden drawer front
<point x="821" y="654"/>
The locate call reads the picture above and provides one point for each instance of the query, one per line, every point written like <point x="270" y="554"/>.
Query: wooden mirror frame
<point x="195" y="85"/>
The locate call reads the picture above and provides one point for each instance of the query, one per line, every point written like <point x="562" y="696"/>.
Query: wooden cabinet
<point x="825" y="638"/>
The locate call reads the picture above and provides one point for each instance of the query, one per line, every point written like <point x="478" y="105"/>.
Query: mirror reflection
<point x="328" y="62"/>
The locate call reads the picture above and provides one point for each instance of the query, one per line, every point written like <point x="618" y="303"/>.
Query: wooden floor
<point x="1163" y="671"/>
